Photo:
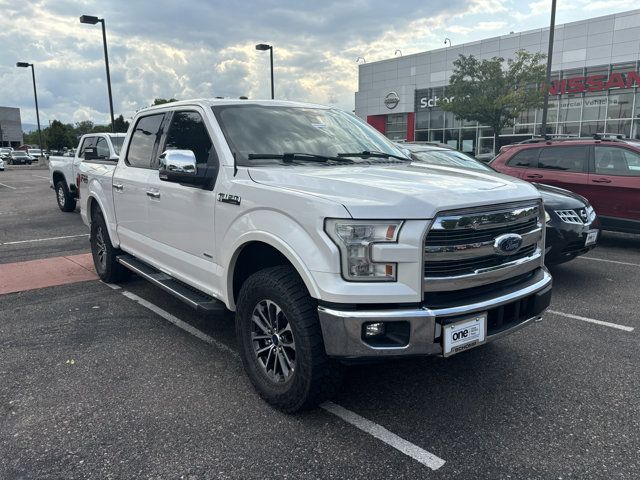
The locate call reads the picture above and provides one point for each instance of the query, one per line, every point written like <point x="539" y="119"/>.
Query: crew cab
<point x="63" y="170"/>
<point x="325" y="239"/>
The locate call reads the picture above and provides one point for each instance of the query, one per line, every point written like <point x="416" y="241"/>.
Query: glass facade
<point x="583" y="107"/>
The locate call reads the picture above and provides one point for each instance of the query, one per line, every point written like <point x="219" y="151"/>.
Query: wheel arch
<point x="262" y="250"/>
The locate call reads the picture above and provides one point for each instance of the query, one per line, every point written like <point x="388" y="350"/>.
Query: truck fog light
<point x="374" y="329"/>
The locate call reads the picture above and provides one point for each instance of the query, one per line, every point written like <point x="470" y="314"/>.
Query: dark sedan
<point x="20" y="157"/>
<point x="572" y="225"/>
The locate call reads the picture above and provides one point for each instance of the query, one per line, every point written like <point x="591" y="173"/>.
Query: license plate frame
<point x="592" y="238"/>
<point x="464" y="334"/>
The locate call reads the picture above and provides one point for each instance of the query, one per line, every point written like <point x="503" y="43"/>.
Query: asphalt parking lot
<point x="100" y="381"/>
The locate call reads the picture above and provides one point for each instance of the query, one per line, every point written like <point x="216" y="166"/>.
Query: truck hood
<point x="407" y="191"/>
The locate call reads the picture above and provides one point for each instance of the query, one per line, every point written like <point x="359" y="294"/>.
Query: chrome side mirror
<point x="181" y="162"/>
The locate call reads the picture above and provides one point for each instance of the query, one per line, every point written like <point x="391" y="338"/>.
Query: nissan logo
<point x="392" y="100"/>
<point x="507" y="244"/>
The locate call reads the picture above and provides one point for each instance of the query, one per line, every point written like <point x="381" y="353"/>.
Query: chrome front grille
<point x="465" y="249"/>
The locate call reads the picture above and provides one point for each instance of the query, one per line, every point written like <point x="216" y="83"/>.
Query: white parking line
<point x="12" y="188"/>
<point x="377" y="431"/>
<point x="428" y="459"/>
<point x="592" y="320"/>
<point x="44" y="239"/>
<point x="40" y="176"/>
<point x="610" y="261"/>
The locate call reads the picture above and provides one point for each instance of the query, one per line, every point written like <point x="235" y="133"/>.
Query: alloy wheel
<point x="273" y="342"/>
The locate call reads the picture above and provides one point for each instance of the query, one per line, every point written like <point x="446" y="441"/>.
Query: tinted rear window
<point x="525" y="158"/>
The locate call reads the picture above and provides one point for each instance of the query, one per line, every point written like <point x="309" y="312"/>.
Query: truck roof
<point x="210" y="102"/>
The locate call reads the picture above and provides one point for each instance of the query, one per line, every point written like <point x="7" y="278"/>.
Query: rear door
<point x="131" y="183"/>
<point x="614" y="182"/>
<point x="182" y="216"/>
<point x="564" y="166"/>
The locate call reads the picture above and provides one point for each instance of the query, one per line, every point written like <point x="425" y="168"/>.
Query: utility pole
<point x="545" y="107"/>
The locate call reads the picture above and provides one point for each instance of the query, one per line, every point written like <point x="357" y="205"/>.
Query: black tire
<point x="104" y="253"/>
<point x="65" y="201"/>
<point x="314" y="377"/>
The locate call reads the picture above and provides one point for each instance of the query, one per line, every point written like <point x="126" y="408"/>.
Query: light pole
<point x="35" y="95"/>
<point x="91" y="20"/>
<point x="545" y="106"/>
<point x="447" y="40"/>
<point x="262" y="47"/>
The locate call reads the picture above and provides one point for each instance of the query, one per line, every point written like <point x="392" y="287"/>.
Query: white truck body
<point x="207" y="238"/>
<point x="63" y="170"/>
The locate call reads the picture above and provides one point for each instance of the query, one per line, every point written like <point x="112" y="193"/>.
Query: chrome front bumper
<point x="342" y="329"/>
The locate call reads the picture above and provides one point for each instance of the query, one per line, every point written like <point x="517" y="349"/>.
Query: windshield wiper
<point x="373" y="154"/>
<point x="289" y="157"/>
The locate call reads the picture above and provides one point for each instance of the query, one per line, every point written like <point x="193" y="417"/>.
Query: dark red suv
<point x="605" y="171"/>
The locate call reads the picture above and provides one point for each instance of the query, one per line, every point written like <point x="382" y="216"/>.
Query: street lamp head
<point x="89" y="19"/>
<point x="263" y="46"/>
<point x="23" y="64"/>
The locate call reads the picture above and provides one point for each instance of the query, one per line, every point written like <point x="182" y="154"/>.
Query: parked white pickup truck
<point x="63" y="170"/>
<point x="322" y="236"/>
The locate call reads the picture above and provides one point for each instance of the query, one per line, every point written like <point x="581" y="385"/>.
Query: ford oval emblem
<point x="507" y="244"/>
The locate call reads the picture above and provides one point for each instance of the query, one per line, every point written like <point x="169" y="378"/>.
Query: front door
<point x="130" y="185"/>
<point x="182" y="216"/>
<point x="614" y="185"/>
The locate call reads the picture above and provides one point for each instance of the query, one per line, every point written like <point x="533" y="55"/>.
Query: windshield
<point x="19" y="153"/>
<point x="257" y="129"/>
<point x="117" y="143"/>
<point x="34" y="151"/>
<point x="449" y="158"/>
<point x="5" y="150"/>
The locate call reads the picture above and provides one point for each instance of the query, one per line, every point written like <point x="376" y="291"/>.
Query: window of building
<point x="619" y="127"/>
<point x="188" y="132"/>
<point x="591" y="128"/>
<point x="564" y="158"/>
<point x="525" y="158"/>
<point x="617" y="161"/>
<point x="143" y="141"/>
<point x="396" y="126"/>
<point x="437" y="118"/>
<point x="422" y="120"/>
<point x="620" y="104"/>
<point x="451" y="138"/>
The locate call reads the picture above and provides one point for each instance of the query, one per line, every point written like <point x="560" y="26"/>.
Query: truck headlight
<point x="547" y="217"/>
<point x="354" y="238"/>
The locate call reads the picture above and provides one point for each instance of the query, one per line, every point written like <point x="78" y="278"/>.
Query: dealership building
<point x="10" y="127"/>
<point x="595" y="86"/>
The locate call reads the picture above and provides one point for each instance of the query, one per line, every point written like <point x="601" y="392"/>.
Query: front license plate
<point x="464" y="334"/>
<point x="592" y="236"/>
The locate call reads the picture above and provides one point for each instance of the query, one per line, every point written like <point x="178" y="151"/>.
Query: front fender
<point x="306" y="248"/>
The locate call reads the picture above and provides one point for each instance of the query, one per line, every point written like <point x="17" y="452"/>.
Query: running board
<point x="186" y="293"/>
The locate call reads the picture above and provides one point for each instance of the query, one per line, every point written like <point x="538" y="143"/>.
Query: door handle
<point x="118" y="187"/>
<point x="601" y="180"/>
<point x="535" y="175"/>
<point x="152" y="194"/>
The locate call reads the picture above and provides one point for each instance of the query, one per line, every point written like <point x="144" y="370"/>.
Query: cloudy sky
<point x="205" y="48"/>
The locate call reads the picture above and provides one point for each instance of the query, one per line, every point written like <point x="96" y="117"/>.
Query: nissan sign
<point x="392" y="100"/>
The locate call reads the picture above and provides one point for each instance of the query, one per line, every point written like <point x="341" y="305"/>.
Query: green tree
<point x="120" y="125"/>
<point x="60" y="135"/>
<point x="494" y="93"/>
<point x="162" y="101"/>
<point x="84" y="127"/>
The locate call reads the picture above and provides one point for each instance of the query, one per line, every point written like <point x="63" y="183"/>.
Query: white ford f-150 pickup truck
<point x="63" y="170"/>
<point x="325" y="239"/>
